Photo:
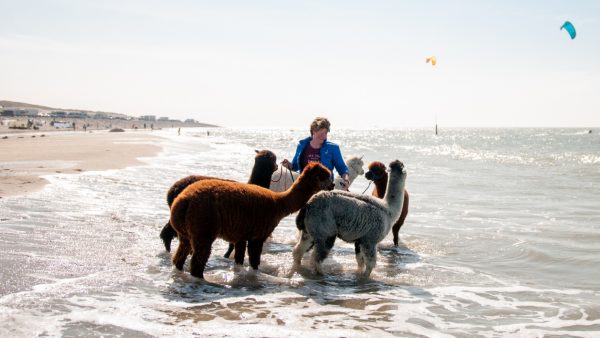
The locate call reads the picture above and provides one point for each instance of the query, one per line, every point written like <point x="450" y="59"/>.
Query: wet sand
<point x="25" y="157"/>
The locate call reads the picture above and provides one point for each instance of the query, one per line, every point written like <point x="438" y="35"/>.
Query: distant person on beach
<point x="316" y="148"/>
<point x="178" y="131"/>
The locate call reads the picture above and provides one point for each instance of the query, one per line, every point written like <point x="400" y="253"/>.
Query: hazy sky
<point x="281" y="63"/>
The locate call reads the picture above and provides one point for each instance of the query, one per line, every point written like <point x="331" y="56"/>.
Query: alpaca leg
<point x="303" y="245"/>
<point x="240" y="251"/>
<point x="321" y="252"/>
<point x="395" y="230"/>
<point x="254" y="251"/>
<point x="229" y="250"/>
<point x="182" y="252"/>
<point x="167" y="234"/>
<point x="400" y="222"/>
<point x="360" y="259"/>
<point x="370" y="256"/>
<point x="200" y="253"/>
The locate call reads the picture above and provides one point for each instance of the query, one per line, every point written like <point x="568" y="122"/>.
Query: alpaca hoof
<point x="237" y="267"/>
<point x="297" y="258"/>
<point x="318" y="269"/>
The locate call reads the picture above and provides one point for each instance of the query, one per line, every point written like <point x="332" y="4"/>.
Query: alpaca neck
<point x="297" y="195"/>
<point x="260" y="177"/>
<point x="381" y="185"/>
<point x="352" y="174"/>
<point x="394" y="194"/>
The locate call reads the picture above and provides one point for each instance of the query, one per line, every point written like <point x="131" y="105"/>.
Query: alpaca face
<point x="397" y="165"/>
<point x="267" y="156"/>
<point x="357" y="165"/>
<point x="376" y="171"/>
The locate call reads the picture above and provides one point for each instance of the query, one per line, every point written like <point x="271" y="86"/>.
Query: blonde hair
<point x="319" y="123"/>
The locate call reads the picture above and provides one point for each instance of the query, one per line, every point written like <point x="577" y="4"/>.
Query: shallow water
<point x="501" y="240"/>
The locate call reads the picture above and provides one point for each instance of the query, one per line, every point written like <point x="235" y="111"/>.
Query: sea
<point x="502" y="239"/>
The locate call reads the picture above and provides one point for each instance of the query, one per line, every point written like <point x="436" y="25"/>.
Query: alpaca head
<point x="318" y="175"/>
<point x="265" y="159"/>
<point x="376" y="171"/>
<point x="397" y="169"/>
<point x="394" y="192"/>
<point x="356" y="164"/>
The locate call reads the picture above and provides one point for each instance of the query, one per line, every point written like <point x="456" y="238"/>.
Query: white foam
<point x="88" y="258"/>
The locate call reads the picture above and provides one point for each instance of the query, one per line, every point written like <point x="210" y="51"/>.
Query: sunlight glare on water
<point x="500" y="240"/>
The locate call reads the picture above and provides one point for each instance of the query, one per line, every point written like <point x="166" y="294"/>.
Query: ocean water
<point x="502" y="239"/>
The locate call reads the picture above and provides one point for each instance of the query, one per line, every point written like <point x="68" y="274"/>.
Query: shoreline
<point x="28" y="155"/>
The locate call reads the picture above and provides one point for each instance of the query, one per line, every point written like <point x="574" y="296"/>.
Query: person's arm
<point x="295" y="164"/>
<point x="340" y="165"/>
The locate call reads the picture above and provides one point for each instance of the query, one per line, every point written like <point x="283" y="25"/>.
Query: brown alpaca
<point x="379" y="176"/>
<point x="236" y="212"/>
<point x="265" y="163"/>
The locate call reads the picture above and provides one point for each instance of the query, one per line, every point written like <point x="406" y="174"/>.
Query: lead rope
<point x="280" y="175"/>
<point x="367" y="187"/>
<point x="292" y="176"/>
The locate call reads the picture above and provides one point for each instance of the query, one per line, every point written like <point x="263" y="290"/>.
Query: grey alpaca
<point x="359" y="219"/>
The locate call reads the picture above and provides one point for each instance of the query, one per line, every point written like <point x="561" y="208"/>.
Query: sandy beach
<point x="25" y="157"/>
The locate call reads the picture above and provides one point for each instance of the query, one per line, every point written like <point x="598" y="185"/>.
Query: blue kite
<point x="568" y="26"/>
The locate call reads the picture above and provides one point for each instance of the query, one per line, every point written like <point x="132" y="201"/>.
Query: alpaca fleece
<point x="237" y="213"/>
<point x="283" y="178"/>
<point x="379" y="176"/>
<point x="265" y="163"/>
<point x="363" y="220"/>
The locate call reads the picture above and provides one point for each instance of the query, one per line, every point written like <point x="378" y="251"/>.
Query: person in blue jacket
<point x="316" y="148"/>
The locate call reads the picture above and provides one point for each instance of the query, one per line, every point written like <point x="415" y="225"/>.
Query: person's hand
<point x="286" y="164"/>
<point x="345" y="183"/>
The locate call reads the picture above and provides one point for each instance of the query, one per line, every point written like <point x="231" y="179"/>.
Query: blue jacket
<point x="331" y="156"/>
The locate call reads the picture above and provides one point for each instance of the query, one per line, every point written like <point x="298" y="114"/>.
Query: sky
<point x="281" y="63"/>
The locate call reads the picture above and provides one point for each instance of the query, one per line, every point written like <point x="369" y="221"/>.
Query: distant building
<point x="101" y="116"/>
<point x="148" y="118"/>
<point x="58" y="114"/>
<point x="163" y="118"/>
<point x="19" y="112"/>
<point x="190" y="121"/>
<point x="77" y="115"/>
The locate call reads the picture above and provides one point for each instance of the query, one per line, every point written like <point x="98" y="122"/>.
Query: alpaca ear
<point x="360" y="158"/>
<point x="256" y="151"/>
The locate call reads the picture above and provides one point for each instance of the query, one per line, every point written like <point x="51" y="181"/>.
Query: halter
<point x="376" y="177"/>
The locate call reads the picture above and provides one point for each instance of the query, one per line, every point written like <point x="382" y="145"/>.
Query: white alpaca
<point x="359" y="219"/>
<point x="282" y="178"/>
